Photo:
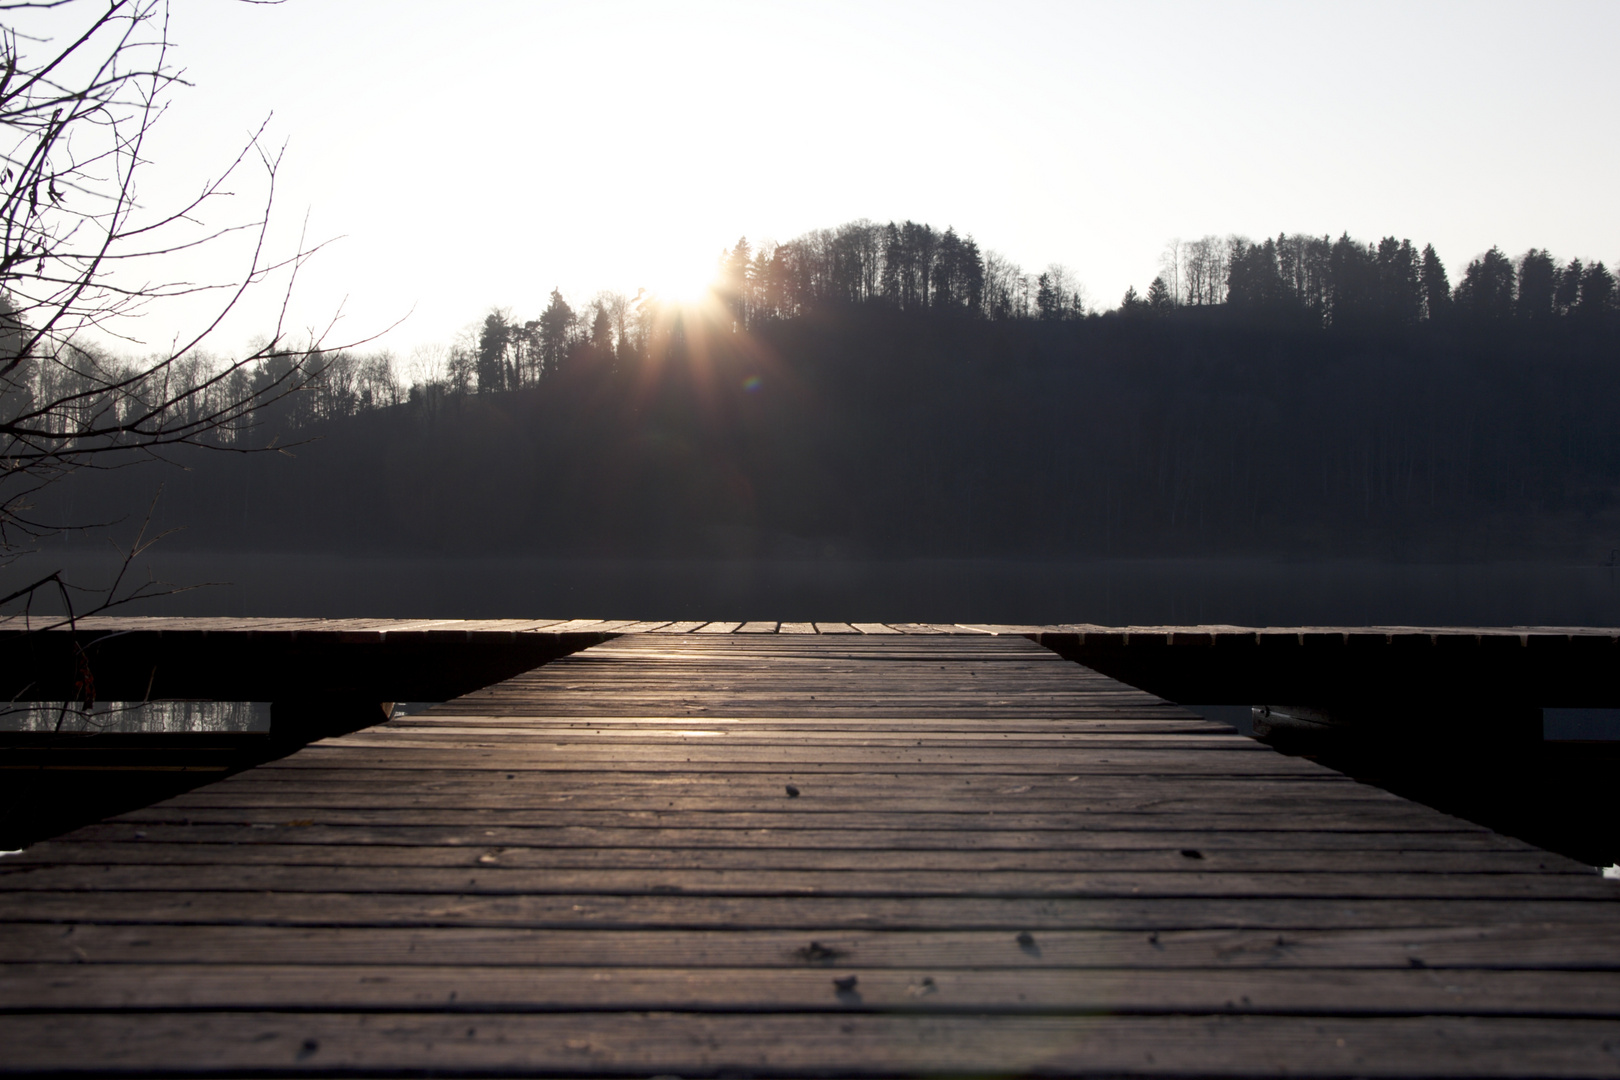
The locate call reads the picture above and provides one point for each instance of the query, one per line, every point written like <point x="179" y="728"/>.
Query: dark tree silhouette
<point x="1159" y="299"/>
<point x="1537" y="297"/>
<point x="1353" y="275"/>
<point x="1567" y="297"/>
<point x="555" y="323"/>
<point x="1254" y="280"/>
<point x="1400" y="288"/>
<point x="493" y="339"/>
<point x="1436" y="289"/>
<point x="1597" y="292"/>
<point x="1302" y="262"/>
<point x="1486" y="290"/>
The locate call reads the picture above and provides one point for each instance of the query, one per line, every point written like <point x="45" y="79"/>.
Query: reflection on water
<point x="134" y="716"/>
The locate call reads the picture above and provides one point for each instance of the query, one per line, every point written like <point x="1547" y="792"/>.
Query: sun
<point x="686" y="286"/>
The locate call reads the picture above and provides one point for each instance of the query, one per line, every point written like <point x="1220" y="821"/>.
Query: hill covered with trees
<point x="889" y="390"/>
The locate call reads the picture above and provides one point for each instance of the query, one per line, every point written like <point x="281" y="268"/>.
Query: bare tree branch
<point x="74" y="121"/>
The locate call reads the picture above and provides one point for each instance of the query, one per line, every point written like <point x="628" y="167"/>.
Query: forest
<point x="892" y="390"/>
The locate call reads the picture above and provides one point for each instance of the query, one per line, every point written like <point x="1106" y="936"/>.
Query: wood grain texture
<point x="860" y="849"/>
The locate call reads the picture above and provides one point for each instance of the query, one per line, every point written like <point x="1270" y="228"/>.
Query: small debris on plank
<point x="1191" y="853"/>
<point x="817" y="951"/>
<point x="845" y="984"/>
<point x="793" y="792"/>
<point x="922" y="988"/>
<point x="1026" y="940"/>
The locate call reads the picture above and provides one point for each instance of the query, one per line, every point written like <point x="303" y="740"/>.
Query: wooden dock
<point x="775" y="854"/>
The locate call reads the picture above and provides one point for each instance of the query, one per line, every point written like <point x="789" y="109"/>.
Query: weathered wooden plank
<point x="745" y="707"/>
<point x="796" y="764"/>
<point x="934" y="988"/>
<point x="833" y="1042"/>
<point x="993" y="787"/>
<point x="1103" y="724"/>
<point x="965" y="823"/>
<point x="574" y="626"/>
<point x="817" y="802"/>
<point x="1504" y="947"/>
<point x="986" y="783"/>
<point x="495" y="879"/>
<point x="838" y="715"/>
<point x="655" y="754"/>
<point x="593" y="910"/>
<point x="1136" y="834"/>
<point x="453" y="732"/>
<point x="813" y="800"/>
<point x="1171" y="856"/>
<point x="823" y="798"/>
<point x="840" y="756"/>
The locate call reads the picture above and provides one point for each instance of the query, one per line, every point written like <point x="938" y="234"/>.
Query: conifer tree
<point x="491" y="362"/>
<point x="1538" y="286"/>
<point x="1487" y="288"/>
<point x="1436" y="290"/>
<point x="555" y="323"/>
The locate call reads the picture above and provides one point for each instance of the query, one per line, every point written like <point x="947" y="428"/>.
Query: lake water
<point x="1245" y="592"/>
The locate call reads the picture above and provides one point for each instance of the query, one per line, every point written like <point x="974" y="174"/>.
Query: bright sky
<point x="478" y="154"/>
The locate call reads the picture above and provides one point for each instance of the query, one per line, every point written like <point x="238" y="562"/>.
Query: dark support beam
<point x="299" y="721"/>
<point x="1360" y="673"/>
<point x="275" y="666"/>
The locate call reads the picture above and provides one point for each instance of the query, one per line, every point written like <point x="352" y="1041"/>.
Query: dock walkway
<point x="784" y="854"/>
